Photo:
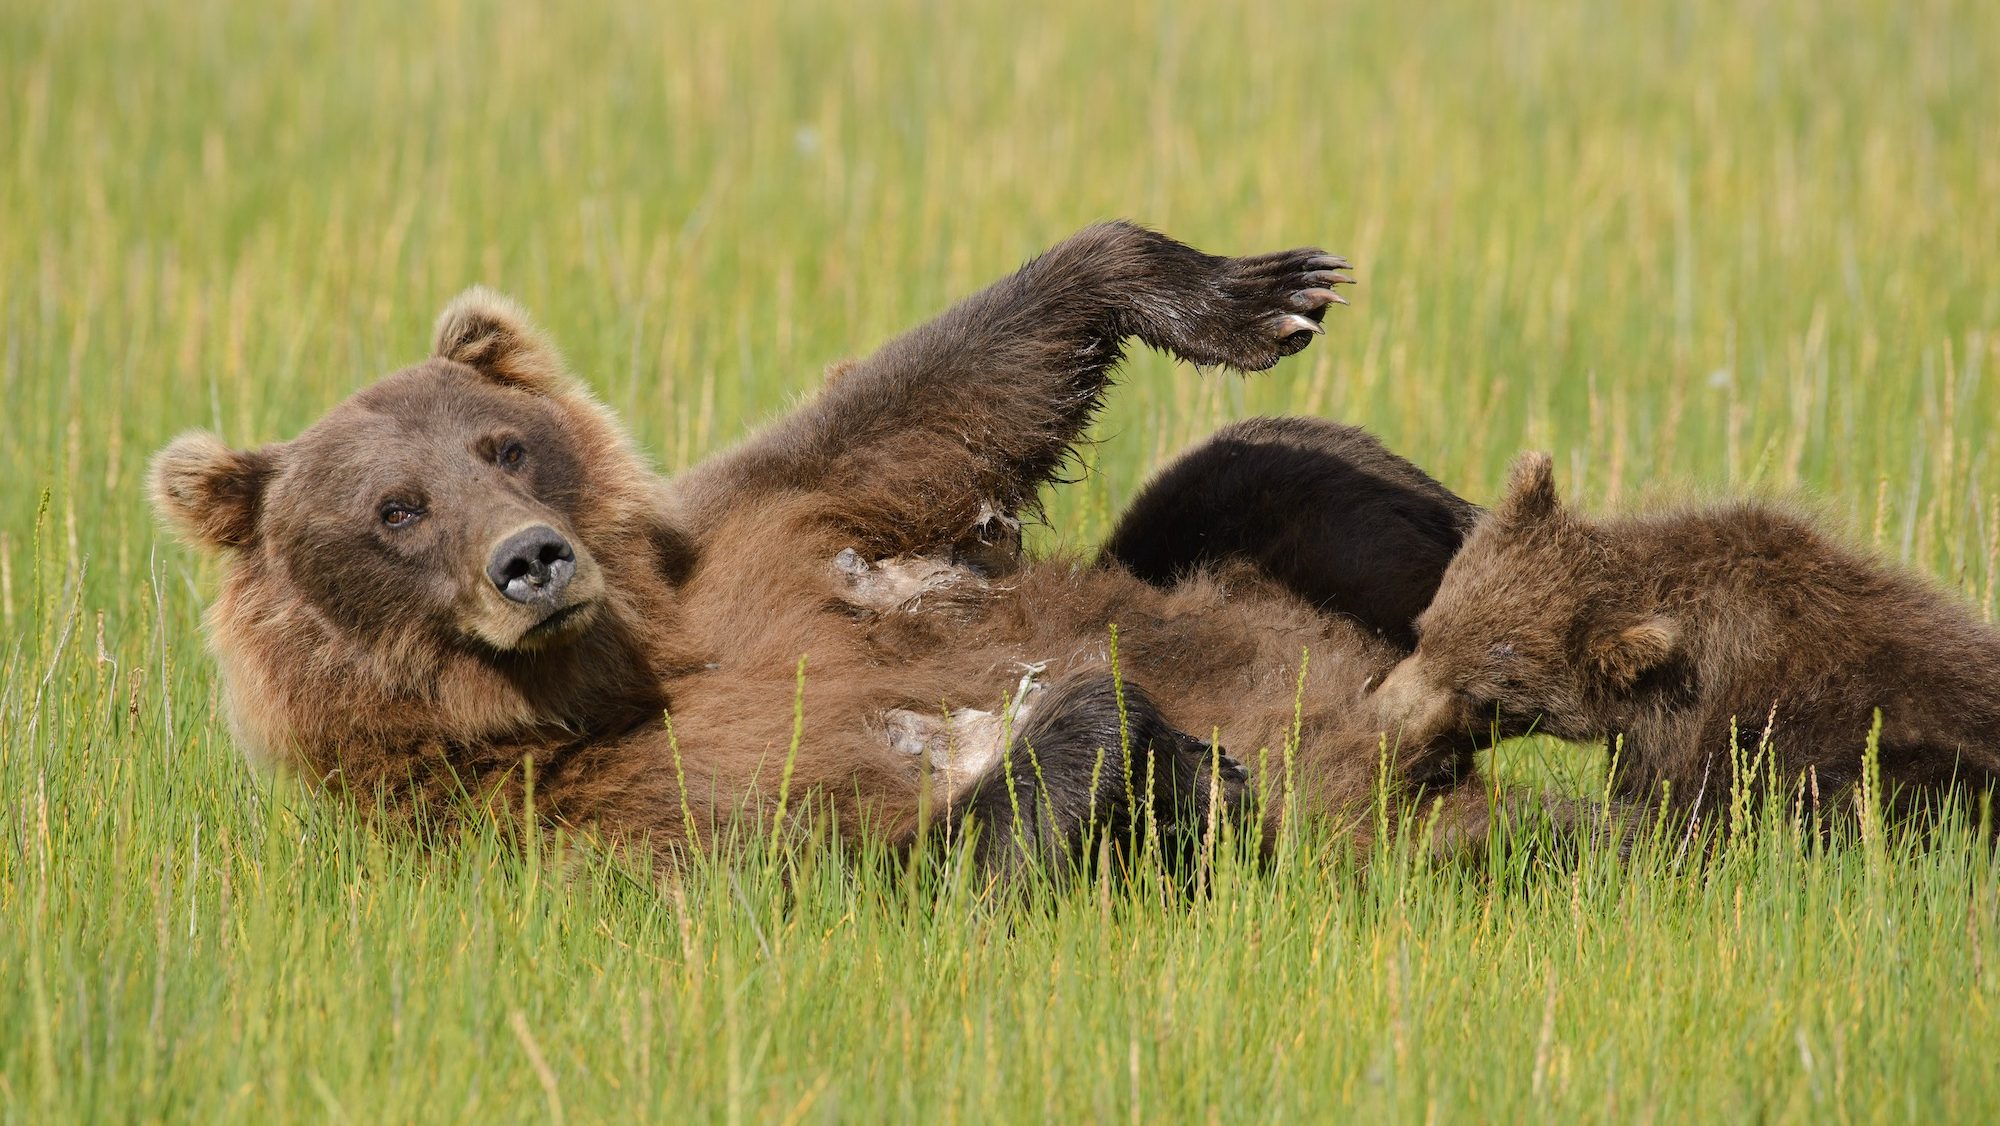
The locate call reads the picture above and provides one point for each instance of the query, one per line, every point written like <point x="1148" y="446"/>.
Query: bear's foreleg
<point x="939" y="440"/>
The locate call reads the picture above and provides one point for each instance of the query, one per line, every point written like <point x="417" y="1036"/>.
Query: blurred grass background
<point x="1688" y="247"/>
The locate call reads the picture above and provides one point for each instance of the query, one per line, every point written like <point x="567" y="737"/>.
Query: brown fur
<point x="873" y="534"/>
<point x="1674" y="631"/>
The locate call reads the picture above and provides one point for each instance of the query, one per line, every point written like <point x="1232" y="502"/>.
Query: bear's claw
<point x="1309" y="300"/>
<point x="1280" y="299"/>
<point x="1229" y="770"/>
<point x="1291" y="328"/>
<point x="1326" y="278"/>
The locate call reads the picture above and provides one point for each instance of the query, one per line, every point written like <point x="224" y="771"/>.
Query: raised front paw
<point x="1272" y="304"/>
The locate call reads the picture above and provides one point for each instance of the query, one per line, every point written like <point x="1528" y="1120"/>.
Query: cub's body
<point x="1700" y="640"/>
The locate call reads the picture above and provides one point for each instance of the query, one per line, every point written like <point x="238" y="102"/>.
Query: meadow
<point x="1690" y="248"/>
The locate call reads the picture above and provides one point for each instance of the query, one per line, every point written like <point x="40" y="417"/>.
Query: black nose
<point x="532" y="565"/>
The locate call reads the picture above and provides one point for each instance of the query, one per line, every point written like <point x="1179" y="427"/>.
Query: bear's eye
<point x="399" y="515"/>
<point x="510" y="455"/>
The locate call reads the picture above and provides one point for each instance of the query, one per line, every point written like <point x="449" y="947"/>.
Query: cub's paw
<point x="1221" y="765"/>
<point x="1218" y="780"/>
<point x="1272" y="304"/>
<point x="1228" y="770"/>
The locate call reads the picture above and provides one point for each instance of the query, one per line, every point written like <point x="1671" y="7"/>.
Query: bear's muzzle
<point x="532" y="566"/>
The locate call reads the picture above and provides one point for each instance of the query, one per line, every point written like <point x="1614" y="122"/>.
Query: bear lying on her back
<point x="1683" y="631"/>
<point x="466" y="567"/>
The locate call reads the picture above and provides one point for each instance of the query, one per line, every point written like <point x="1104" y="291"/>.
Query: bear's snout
<point x="532" y="566"/>
<point x="1408" y="702"/>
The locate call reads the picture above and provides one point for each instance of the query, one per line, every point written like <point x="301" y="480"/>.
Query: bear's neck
<point x="354" y="712"/>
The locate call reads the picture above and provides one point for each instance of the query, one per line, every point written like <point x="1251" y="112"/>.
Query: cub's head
<point x="1539" y="624"/>
<point x="456" y="552"/>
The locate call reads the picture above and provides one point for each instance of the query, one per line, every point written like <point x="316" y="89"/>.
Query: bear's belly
<point x="1235" y="658"/>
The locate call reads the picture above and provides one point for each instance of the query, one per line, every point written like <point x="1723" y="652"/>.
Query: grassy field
<point x="1711" y="246"/>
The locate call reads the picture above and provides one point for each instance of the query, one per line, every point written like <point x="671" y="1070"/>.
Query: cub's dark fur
<point x="1323" y="508"/>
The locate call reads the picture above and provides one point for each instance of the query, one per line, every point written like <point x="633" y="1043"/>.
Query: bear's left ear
<point x="210" y="493"/>
<point x="492" y="335"/>
<point x="1531" y="491"/>
<point x="1624" y="654"/>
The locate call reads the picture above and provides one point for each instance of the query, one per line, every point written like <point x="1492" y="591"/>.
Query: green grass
<point x="1716" y="246"/>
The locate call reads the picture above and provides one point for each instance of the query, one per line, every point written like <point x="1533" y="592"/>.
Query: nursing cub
<point x="1700" y="639"/>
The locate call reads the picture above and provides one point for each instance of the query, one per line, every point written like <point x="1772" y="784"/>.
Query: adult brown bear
<point x="467" y="566"/>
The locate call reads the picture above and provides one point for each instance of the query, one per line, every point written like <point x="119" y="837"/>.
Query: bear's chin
<point x="560" y="628"/>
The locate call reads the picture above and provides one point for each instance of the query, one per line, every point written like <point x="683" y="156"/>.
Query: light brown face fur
<point x="388" y="511"/>
<point x="365" y="595"/>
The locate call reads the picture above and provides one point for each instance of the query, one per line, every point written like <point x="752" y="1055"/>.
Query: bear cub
<point x="1690" y="634"/>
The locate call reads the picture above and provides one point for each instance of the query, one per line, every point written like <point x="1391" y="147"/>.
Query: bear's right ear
<point x="492" y="335"/>
<point x="1624" y="654"/>
<point x="209" y="492"/>
<point x="1531" y="491"/>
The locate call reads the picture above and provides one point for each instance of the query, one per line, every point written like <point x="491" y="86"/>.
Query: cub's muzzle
<point x="532" y="566"/>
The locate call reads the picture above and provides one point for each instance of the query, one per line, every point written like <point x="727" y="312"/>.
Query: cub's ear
<point x="489" y="333"/>
<point x="1624" y="654"/>
<point x="209" y="492"/>
<point x="1531" y="491"/>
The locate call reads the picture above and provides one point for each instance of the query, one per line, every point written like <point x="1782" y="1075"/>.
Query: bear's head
<point x="467" y="551"/>
<point x="1540" y="624"/>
